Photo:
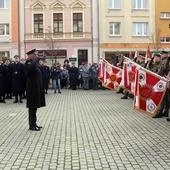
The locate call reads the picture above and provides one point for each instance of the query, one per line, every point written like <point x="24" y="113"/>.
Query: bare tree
<point x="155" y="39"/>
<point x="51" y="44"/>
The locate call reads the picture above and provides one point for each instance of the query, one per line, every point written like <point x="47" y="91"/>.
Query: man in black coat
<point x="2" y="81"/>
<point x="17" y="78"/>
<point x="35" y="90"/>
<point x="74" y="73"/>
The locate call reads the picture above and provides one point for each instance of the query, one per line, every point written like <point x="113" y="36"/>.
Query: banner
<point x="128" y="75"/>
<point x="149" y="91"/>
<point x="110" y="75"/>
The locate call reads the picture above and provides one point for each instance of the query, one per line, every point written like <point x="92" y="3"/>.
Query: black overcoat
<point x="34" y="88"/>
<point x="17" y="77"/>
<point x="2" y="78"/>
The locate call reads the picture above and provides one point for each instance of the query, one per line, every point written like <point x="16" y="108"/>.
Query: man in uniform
<point x="17" y="78"/>
<point x="165" y="68"/>
<point x="154" y="64"/>
<point x="35" y="90"/>
<point x="74" y="73"/>
<point x="2" y="81"/>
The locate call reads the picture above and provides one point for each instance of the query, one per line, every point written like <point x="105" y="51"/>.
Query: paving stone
<point x="83" y="130"/>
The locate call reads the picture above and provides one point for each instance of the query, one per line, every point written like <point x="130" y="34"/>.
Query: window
<point x="58" y="22"/>
<point x="114" y="4"/>
<point x="77" y="22"/>
<point x="38" y="23"/>
<point x="165" y="15"/>
<point x="139" y="29"/>
<point x="139" y="4"/>
<point x="114" y="28"/>
<point x="4" y="29"/>
<point x="165" y="39"/>
<point x="4" y="3"/>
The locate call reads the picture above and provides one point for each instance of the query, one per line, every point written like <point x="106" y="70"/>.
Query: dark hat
<point x="31" y="52"/>
<point x="157" y="55"/>
<point x="165" y="52"/>
<point x="16" y="56"/>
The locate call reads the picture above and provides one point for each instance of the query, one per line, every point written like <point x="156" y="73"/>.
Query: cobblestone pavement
<point x="83" y="130"/>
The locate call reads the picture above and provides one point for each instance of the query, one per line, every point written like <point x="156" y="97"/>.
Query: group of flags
<point x="147" y="87"/>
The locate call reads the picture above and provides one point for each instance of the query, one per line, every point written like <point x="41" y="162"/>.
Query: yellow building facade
<point x="162" y="13"/>
<point x="127" y="25"/>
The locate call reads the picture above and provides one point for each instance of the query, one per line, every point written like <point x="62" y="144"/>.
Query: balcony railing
<point x="58" y="36"/>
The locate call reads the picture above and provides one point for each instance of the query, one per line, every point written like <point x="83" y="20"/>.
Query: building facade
<point x="59" y="29"/>
<point x="11" y="41"/>
<point x="162" y="13"/>
<point x="125" y="26"/>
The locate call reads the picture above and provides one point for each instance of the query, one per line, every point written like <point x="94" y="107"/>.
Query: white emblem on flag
<point x="150" y="106"/>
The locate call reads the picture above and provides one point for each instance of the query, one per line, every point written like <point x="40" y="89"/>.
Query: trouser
<point x="32" y="117"/>
<point x="164" y="107"/>
<point x="16" y="96"/>
<point x="85" y="82"/>
<point x="56" y="84"/>
<point x="95" y="83"/>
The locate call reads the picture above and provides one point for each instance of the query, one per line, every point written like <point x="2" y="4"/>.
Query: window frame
<point x="6" y="4"/>
<point x="6" y="30"/>
<point x="113" y="25"/>
<point x="113" y="2"/>
<point x="78" y="22"/>
<point x="40" y="21"/>
<point x="144" y="25"/>
<point x="58" y="22"/>
<point x="136" y="5"/>
<point x="164" y="15"/>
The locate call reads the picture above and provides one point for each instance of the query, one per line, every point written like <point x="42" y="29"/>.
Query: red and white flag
<point x="112" y="76"/>
<point x="149" y="91"/>
<point x="128" y="76"/>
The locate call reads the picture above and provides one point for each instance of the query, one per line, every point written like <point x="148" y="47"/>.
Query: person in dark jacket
<point x="74" y="73"/>
<point x="8" y="79"/>
<point x="17" y="78"/>
<point x="34" y="88"/>
<point x="56" y="76"/>
<point x="2" y="81"/>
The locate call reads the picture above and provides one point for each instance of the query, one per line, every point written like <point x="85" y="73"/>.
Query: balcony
<point x="71" y="36"/>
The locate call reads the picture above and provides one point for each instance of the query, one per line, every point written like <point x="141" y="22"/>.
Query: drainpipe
<point x="19" y="28"/>
<point x="92" y="52"/>
<point x="98" y="25"/>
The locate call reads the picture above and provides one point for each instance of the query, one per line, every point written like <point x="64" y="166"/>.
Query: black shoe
<point x="34" y="128"/>
<point x="16" y="101"/>
<point x="39" y="126"/>
<point x="168" y="119"/>
<point x="3" y="101"/>
<point x="59" y="92"/>
<point x="54" y="91"/>
<point x="21" y="101"/>
<point x="124" y="97"/>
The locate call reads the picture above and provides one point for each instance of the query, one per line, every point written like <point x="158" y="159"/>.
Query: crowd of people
<point x="13" y="79"/>
<point x="159" y="63"/>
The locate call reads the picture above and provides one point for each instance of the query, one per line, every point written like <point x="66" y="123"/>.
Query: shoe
<point x="124" y="97"/>
<point x="34" y="128"/>
<point x="21" y="101"/>
<point x="39" y="126"/>
<point x="16" y="101"/>
<point x="3" y="101"/>
<point x="54" y="91"/>
<point x="59" y="92"/>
